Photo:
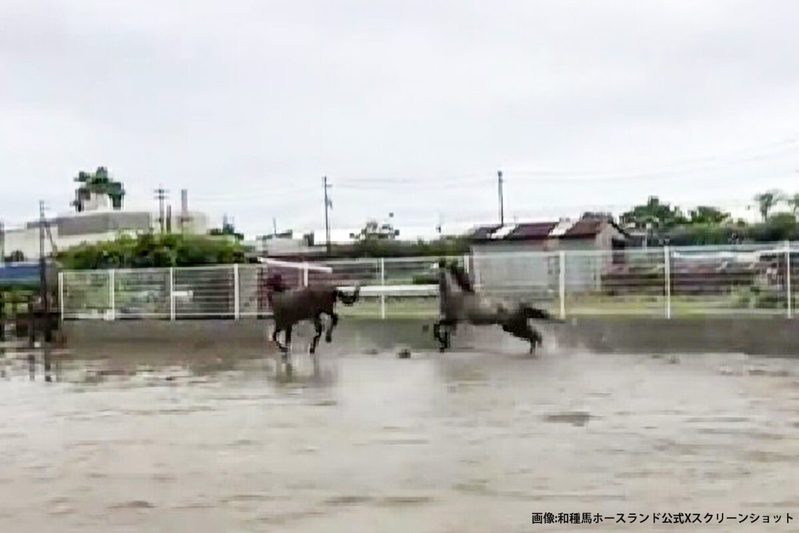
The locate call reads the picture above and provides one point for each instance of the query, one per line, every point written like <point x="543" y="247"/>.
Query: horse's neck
<point x="270" y="293"/>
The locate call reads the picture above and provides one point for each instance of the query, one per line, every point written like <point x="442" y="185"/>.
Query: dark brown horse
<point x="290" y="306"/>
<point x="468" y="306"/>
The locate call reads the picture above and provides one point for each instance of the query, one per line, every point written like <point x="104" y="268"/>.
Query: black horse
<point x="290" y="306"/>
<point x="467" y="306"/>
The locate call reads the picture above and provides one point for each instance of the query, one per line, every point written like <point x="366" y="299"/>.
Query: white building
<point x="97" y="223"/>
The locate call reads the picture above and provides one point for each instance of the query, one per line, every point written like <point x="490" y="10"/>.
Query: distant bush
<point x="425" y="279"/>
<point x="153" y="250"/>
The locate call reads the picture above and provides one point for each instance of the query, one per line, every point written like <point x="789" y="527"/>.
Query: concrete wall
<point x="766" y="336"/>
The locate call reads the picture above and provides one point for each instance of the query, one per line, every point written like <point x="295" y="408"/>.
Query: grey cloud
<point x="234" y="99"/>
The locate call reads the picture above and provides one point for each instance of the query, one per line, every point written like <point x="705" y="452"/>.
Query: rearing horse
<point x="290" y="306"/>
<point x="468" y="306"/>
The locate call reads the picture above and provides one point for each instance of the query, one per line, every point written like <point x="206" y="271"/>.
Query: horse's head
<point x="274" y="283"/>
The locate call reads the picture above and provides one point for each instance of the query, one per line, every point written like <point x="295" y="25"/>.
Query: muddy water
<point x="456" y="443"/>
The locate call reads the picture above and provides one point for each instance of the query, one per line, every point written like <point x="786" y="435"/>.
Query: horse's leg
<point x="287" y="347"/>
<point x="535" y="339"/>
<point x="317" y="322"/>
<point x="276" y="341"/>
<point x="333" y="322"/>
<point x="526" y="332"/>
<point x="438" y="337"/>
<point x="443" y="337"/>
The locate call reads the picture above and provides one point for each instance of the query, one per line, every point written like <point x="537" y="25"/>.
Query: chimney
<point x="184" y="209"/>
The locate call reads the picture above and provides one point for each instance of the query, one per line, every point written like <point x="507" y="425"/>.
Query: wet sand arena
<point x="462" y="442"/>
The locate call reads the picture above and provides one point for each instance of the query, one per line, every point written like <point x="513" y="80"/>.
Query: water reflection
<point x="460" y="442"/>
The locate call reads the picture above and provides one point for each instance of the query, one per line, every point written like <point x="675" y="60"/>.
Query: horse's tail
<point x="349" y="299"/>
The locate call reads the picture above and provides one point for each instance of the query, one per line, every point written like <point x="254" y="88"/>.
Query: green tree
<point x="778" y="227"/>
<point x="227" y="229"/>
<point x="653" y="215"/>
<point x="766" y="202"/>
<point x="97" y="182"/>
<point x="793" y="202"/>
<point x="15" y="257"/>
<point x="704" y="214"/>
<point x="153" y="250"/>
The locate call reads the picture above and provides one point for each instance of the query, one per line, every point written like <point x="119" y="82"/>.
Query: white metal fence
<point x="662" y="282"/>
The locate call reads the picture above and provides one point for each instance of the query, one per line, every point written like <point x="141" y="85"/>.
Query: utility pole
<point x="161" y="195"/>
<point x="501" y="199"/>
<point x="328" y="206"/>
<point x="43" y="277"/>
<point x="274" y="226"/>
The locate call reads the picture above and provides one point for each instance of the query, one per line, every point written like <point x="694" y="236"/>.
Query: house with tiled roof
<point x="498" y="270"/>
<point x="586" y="233"/>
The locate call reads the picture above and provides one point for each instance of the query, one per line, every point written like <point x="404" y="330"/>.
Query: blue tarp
<point x="22" y="273"/>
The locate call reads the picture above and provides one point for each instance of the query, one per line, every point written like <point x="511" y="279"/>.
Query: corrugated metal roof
<point x="561" y="228"/>
<point x="564" y="229"/>
<point x="483" y="232"/>
<point x="532" y="231"/>
<point x="503" y="232"/>
<point x="586" y="227"/>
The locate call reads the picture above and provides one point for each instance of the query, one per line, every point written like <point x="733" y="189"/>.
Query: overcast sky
<point x="407" y="106"/>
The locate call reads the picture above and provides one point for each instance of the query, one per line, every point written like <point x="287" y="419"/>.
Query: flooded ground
<point x="462" y="442"/>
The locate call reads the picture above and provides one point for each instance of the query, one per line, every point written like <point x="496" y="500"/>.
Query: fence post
<point x="383" y="285"/>
<point x="788" y="277"/>
<point x="478" y="282"/>
<point x="171" y="293"/>
<point x="2" y="315"/>
<point x="112" y="306"/>
<point x="237" y="294"/>
<point x="466" y="263"/>
<point x="667" y="278"/>
<point x="305" y="274"/>
<point x="562" y="282"/>
<point x="61" y="296"/>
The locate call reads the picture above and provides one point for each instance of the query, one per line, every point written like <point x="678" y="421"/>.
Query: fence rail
<point x="665" y="282"/>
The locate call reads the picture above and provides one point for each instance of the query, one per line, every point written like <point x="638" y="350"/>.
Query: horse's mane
<point x="461" y="277"/>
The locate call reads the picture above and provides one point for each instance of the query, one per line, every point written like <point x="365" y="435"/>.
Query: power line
<point x="708" y="164"/>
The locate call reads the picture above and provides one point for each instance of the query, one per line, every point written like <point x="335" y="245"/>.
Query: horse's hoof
<point x="404" y="354"/>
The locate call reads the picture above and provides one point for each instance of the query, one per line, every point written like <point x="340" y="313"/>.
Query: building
<point x="281" y="244"/>
<point x="541" y="271"/>
<point x="97" y="222"/>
